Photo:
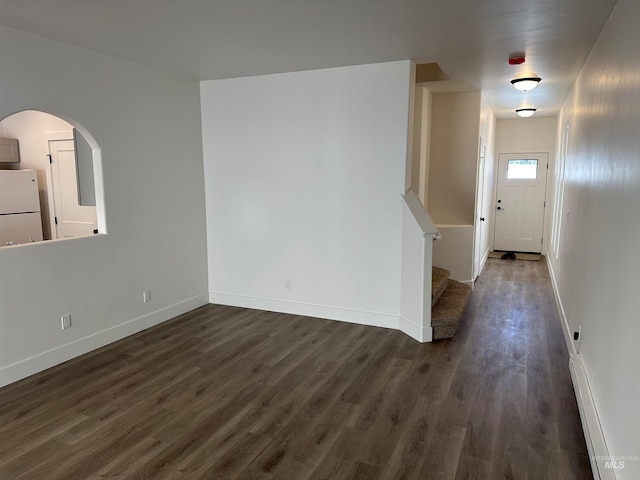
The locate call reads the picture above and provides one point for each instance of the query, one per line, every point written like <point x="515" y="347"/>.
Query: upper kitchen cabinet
<point x="9" y="152"/>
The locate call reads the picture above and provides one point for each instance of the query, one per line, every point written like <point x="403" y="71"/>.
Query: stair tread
<point x="446" y="313"/>
<point x="439" y="280"/>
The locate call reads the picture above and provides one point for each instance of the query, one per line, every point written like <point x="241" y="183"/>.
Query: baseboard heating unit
<point x="596" y="446"/>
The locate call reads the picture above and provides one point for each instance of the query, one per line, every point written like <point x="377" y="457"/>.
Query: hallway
<point x="514" y="361"/>
<point x="224" y="392"/>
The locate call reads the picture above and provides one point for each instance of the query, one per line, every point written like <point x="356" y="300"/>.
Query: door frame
<point x="494" y="196"/>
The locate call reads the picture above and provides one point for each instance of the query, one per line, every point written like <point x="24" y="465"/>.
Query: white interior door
<point x="480" y="221"/>
<point x="519" y="220"/>
<point x="73" y="219"/>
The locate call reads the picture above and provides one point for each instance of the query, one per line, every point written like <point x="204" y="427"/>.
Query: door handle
<point x="482" y="219"/>
<point x="499" y="208"/>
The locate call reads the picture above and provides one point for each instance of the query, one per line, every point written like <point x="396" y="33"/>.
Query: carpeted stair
<point x="448" y="300"/>
<point x="439" y="280"/>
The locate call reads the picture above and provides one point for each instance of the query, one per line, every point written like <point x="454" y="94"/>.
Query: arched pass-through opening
<point x="51" y="182"/>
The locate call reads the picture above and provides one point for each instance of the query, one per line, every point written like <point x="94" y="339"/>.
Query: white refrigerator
<point x="20" y="220"/>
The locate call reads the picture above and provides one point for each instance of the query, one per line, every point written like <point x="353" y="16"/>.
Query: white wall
<point x="418" y="235"/>
<point x="29" y="127"/>
<point x="304" y="174"/>
<point x="453" y="157"/>
<point x="484" y="190"/>
<point x="421" y="142"/>
<point x="146" y="123"/>
<point x="596" y="260"/>
<point x="458" y="120"/>
<point x="516" y="135"/>
<point x="454" y="251"/>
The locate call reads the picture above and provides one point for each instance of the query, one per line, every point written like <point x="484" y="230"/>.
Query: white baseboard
<point x="601" y="464"/>
<point x="371" y="319"/>
<point x="37" y="363"/>
<point x="568" y="335"/>
<point x="471" y="283"/>
<point x="416" y="332"/>
<point x="306" y="309"/>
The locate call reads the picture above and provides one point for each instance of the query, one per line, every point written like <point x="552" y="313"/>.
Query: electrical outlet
<point x="146" y="296"/>
<point x="287" y="284"/>
<point x="65" y="321"/>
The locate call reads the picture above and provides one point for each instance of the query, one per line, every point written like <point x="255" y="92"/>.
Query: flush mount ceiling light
<point x="525" y="112"/>
<point x="526" y="83"/>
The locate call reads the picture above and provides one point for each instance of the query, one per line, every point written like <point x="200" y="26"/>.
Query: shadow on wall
<point x="48" y="183"/>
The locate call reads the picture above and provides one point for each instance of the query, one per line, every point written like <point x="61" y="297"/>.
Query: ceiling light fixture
<point x="527" y="83"/>
<point x="525" y="112"/>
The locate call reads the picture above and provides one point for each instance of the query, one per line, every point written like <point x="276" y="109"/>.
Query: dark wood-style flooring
<point x="226" y="392"/>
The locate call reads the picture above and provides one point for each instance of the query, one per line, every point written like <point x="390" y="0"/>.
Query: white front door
<point x="72" y="219"/>
<point x="520" y="202"/>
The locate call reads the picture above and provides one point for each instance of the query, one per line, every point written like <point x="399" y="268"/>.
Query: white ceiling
<point x="471" y="40"/>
